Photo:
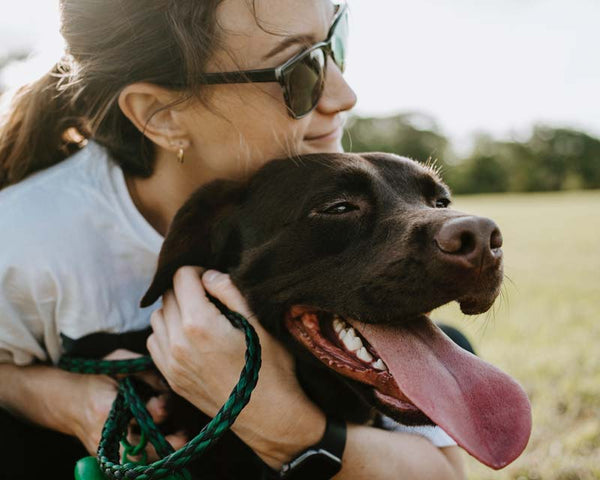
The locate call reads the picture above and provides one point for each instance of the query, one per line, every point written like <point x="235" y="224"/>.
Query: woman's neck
<point x="158" y="213"/>
<point x="159" y="196"/>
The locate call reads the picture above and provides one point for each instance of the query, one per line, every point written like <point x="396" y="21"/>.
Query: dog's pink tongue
<point x="484" y="410"/>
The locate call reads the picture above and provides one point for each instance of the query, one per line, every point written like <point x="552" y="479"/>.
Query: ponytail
<point x="40" y="127"/>
<point x="109" y="45"/>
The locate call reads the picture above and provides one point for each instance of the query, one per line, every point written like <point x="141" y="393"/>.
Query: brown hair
<point x="110" y="44"/>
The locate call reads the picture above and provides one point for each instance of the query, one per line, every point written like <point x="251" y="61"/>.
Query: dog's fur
<point x="347" y="233"/>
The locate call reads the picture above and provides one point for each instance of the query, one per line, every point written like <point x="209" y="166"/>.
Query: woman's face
<point x="248" y="124"/>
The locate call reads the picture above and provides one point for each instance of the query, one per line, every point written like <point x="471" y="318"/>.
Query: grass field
<point x="545" y="328"/>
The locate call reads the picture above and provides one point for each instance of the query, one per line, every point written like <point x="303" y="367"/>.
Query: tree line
<point x="549" y="159"/>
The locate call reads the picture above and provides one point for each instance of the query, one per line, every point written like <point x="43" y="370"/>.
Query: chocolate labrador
<point x="340" y="256"/>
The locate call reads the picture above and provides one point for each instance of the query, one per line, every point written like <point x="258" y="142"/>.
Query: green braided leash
<point x="128" y="405"/>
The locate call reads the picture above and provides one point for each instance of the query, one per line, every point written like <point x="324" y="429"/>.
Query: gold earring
<point x="180" y="156"/>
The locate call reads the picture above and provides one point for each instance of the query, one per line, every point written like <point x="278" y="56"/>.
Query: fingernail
<point x="212" y="276"/>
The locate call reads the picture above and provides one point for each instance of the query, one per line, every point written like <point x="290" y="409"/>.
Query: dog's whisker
<point x="504" y="297"/>
<point x="507" y="278"/>
<point x="490" y="319"/>
<point x="483" y="324"/>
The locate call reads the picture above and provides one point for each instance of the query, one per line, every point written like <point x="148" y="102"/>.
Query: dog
<point x="340" y="256"/>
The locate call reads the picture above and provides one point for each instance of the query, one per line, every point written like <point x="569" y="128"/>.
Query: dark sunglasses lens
<point x="305" y="81"/>
<point x="339" y="42"/>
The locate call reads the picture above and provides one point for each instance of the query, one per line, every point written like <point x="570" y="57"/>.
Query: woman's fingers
<point x="149" y="377"/>
<point x="156" y="405"/>
<point x="157" y="408"/>
<point x="221" y="287"/>
<point x="200" y="318"/>
<point x="171" y="311"/>
<point x="177" y="440"/>
<point x="158" y="340"/>
<point x="190" y="293"/>
<point x="153" y="379"/>
<point x="166" y="323"/>
<point x="121" y="354"/>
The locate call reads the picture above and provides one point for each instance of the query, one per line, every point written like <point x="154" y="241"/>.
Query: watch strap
<point x="331" y="445"/>
<point x="334" y="438"/>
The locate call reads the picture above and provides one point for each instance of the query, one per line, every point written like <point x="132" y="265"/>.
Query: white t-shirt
<point x="76" y="257"/>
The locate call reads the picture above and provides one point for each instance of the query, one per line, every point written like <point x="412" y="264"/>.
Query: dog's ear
<point x="203" y="233"/>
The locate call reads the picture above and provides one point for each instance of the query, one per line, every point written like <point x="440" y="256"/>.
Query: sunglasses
<point x="302" y="77"/>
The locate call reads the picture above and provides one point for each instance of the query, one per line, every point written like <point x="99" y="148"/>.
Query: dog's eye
<point x="340" y="208"/>
<point x="442" y="203"/>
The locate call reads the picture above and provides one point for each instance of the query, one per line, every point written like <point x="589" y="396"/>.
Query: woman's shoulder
<point x="83" y="170"/>
<point x="72" y="215"/>
<point x="58" y="206"/>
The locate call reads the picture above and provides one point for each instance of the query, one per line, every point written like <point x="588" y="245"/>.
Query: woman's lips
<point x="331" y="135"/>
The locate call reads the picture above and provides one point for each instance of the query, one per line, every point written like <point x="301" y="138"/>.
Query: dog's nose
<point x="470" y="240"/>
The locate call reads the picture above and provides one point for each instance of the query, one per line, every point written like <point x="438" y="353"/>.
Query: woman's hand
<point x="95" y="396"/>
<point x="201" y="355"/>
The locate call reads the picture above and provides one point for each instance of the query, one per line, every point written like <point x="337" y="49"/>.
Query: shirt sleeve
<point x="433" y="433"/>
<point x="22" y="326"/>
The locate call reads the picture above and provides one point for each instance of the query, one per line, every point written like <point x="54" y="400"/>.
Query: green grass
<point x="544" y="330"/>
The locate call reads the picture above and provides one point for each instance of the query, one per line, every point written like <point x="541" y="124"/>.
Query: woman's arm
<point x="281" y="434"/>
<point x="71" y="403"/>
<point x="201" y="354"/>
<point x="370" y="453"/>
<point x="373" y="453"/>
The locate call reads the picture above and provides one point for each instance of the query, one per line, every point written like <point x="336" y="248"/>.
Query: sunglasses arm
<point x="248" y="76"/>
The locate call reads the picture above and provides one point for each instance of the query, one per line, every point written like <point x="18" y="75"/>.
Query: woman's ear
<point x="150" y="108"/>
<point x="205" y="233"/>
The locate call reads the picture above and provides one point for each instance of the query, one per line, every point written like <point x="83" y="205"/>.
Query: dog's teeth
<point x="352" y="342"/>
<point x="346" y="332"/>
<point x="338" y="325"/>
<point x="379" y="365"/>
<point x="364" y="355"/>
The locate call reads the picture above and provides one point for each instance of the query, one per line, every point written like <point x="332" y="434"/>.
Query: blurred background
<point x="504" y="95"/>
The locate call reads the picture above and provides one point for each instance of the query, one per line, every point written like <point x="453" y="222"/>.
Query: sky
<point x="473" y="65"/>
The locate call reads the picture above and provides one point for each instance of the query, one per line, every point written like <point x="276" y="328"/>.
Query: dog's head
<point x="341" y="256"/>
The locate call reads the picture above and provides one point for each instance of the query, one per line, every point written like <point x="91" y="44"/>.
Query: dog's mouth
<point x="337" y="344"/>
<point x="421" y="376"/>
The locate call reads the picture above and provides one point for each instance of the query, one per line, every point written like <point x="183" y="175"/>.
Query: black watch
<point x="321" y="461"/>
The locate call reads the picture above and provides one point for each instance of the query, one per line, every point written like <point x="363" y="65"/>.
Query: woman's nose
<point x="337" y="95"/>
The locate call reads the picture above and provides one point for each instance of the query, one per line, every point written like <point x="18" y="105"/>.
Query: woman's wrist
<point x="278" y="438"/>
<point x="42" y="394"/>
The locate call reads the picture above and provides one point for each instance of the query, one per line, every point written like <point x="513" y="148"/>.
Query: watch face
<point x="313" y="465"/>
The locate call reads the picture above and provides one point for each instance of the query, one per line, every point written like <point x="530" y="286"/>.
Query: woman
<point x="137" y="83"/>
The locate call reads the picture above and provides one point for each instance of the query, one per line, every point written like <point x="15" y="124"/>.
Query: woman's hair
<point x="110" y="44"/>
